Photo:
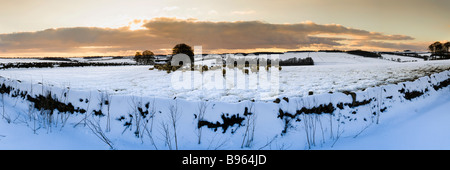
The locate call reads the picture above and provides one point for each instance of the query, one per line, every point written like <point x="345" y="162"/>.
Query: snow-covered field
<point x="26" y="60"/>
<point x="399" y="58"/>
<point x="419" y="125"/>
<point x="333" y="72"/>
<point x="105" y="60"/>
<point x="332" y="58"/>
<point x="387" y="105"/>
<point x="79" y="59"/>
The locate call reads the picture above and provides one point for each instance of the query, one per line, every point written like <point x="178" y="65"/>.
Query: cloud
<point x="257" y="34"/>
<point x="384" y="45"/>
<point x="163" y="33"/>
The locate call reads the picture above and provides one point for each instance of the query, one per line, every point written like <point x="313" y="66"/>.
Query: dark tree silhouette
<point x="439" y="49"/>
<point x="184" y="49"/>
<point x="147" y="53"/>
<point x="146" y="58"/>
<point x="436" y="47"/>
<point x="447" y="46"/>
<point x="138" y="54"/>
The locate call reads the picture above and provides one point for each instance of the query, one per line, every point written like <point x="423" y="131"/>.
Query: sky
<point x="30" y="28"/>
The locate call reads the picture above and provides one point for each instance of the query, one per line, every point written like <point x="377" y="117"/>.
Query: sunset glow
<point x="111" y="27"/>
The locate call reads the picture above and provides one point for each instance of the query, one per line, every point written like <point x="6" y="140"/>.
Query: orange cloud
<point x="164" y="33"/>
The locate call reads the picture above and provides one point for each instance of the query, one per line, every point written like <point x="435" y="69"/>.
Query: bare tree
<point x="201" y="115"/>
<point x="107" y="101"/>
<point x="309" y="122"/>
<point x="148" y="117"/>
<point x="166" y="135"/>
<point x="64" y="96"/>
<point x="268" y="143"/>
<point x="339" y="132"/>
<point x="4" y="114"/>
<point x="174" y="116"/>
<point x="215" y="144"/>
<point x="95" y="127"/>
<point x="136" y="116"/>
<point x="87" y="114"/>
<point x="150" y="131"/>
<point x="249" y="133"/>
<point x="169" y="129"/>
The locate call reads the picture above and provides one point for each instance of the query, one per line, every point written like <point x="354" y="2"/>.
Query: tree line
<point x="147" y="57"/>
<point x="439" y="48"/>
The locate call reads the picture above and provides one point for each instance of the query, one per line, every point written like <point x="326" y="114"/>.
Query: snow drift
<point x="139" y="122"/>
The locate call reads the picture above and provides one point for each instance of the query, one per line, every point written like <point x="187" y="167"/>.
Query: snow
<point x="19" y="137"/>
<point x="105" y="60"/>
<point x="399" y="58"/>
<point x="26" y="60"/>
<point x="334" y="72"/>
<point x="422" y="125"/>
<point x="419" y="123"/>
<point x="79" y="59"/>
<point x="332" y="58"/>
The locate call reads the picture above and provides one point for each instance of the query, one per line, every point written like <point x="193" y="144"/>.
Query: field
<point x="314" y="107"/>
<point x="333" y="72"/>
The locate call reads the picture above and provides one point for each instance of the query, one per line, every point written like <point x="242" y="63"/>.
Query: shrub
<point x="146" y="58"/>
<point x="184" y="49"/>
<point x="228" y="121"/>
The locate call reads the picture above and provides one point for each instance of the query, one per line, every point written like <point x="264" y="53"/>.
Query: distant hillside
<point x="364" y="53"/>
